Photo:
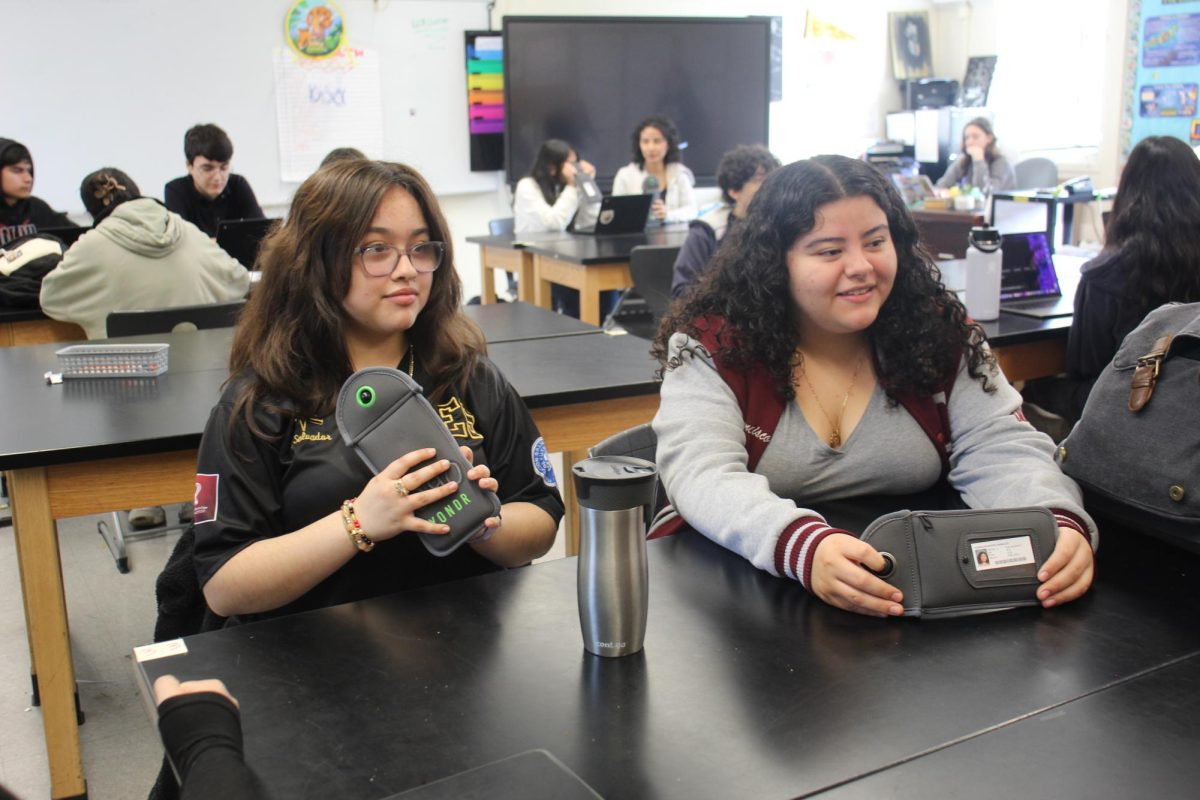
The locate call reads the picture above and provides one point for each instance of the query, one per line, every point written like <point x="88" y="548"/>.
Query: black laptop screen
<point x="1027" y="269"/>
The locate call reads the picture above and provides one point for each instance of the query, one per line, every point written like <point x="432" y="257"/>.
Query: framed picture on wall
<point x="911" y="57"/>
<point x="978" y="81"/>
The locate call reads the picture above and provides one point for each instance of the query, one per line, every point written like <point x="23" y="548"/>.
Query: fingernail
<point x="895" y="611"/>
<point x="1049" y="603"/>
<point x="445" y="462"/>
<point x="1043" y="575"/>
<point x="1043" y="594"/>
<point x="445" y="529"/>
<point x="897" y="597"/>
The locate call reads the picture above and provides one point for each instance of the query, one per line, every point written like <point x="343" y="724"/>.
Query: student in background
<point x="656" y="154"/>
<point x="739" y="175"/>
<point x="138" y="255"/>
<point x="209" y="193"/>
<point x="821" y="359"/>
<point x="981" y="166"/>
<point x="360" y="274"/>
<point x="341" y="154"/>
<point x="1151" y="256"/>
<point x="19" y="207"/>
<point x="547" y="200"/>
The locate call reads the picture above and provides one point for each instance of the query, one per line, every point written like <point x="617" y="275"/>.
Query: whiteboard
<point x="117" y="83"/>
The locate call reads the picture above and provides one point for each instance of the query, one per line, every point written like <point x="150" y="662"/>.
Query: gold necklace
<point x="835" y="436"/>
<point x="412" y="360"/>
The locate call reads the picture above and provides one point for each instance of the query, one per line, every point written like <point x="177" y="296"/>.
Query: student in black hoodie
<point x="19" y="207"/>
<point x="209" y="193"/>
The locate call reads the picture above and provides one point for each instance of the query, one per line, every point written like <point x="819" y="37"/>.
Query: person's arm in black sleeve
<point x="1090" y="342"/>
<point x="202" y="735"/>
<point x="43" y="216"/>
<point x="246" y="203"/>
<point x="693" y="257"/>
<point x="531" y="506"/>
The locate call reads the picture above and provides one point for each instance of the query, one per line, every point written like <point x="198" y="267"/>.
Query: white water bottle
<point x="984" y="259"/>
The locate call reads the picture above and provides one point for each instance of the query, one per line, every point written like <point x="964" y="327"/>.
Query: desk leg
<point x="526" y="279"/>
<point x="570" y="501"/>
<point x="541" y="290"/>
<point x="589" y="298"/>
<point x="487" y="283"/>
<point x="46" y="616"/>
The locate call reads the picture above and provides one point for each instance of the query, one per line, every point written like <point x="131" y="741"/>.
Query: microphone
<point x="650" y="186"/>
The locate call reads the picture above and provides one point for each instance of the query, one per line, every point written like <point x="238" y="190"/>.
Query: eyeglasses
<point x="378" y="260"/>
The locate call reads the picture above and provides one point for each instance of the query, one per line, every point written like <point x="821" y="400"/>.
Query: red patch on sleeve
<point x="206" y="498"/>
<point x="1020" y="414"/>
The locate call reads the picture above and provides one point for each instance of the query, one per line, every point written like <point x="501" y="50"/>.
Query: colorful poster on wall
<point x="1168" y="100"/>
<point x="314" y="28"/>
<point x="485" y="99"/>
<point x="1162" y="72"/>
<point x="1171" y="41"/>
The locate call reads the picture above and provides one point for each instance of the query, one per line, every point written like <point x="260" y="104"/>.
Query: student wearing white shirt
<point x="656" y="154"/>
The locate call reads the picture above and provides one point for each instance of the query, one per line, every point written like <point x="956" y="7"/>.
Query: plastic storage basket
<point x="113" y="360"/>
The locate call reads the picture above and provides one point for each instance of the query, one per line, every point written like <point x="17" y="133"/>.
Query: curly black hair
<point x="920" y="335"/>
<point x="740" y="165"/>
<point x="667" y="128"/>
<point x="1153" y="225"/>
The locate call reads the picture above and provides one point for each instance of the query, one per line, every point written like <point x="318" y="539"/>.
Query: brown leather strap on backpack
<point x="1141" y="387"/>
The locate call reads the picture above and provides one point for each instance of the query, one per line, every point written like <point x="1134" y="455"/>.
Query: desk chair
<point x="642" y="307"/>
<point x="169" y="320"/>
<point x="158" y="320"/>
<point x="1036" y="173"/>
<point x="501" y="227"/>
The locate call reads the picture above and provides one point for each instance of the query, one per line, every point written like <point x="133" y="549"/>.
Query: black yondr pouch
<point x="383" y="414"/>
<point x="954" y="563"/>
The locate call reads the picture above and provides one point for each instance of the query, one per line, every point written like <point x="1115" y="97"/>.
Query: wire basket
<point x="113" y="360"/>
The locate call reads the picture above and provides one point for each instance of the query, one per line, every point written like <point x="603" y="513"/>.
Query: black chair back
<point x="166" y="320"/>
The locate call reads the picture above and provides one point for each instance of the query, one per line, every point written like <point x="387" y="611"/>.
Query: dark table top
<point x="747" y="687"/>
<point x="514" y="322"/>
<point x="582" y="248"/>
<point x="87" y="419"/>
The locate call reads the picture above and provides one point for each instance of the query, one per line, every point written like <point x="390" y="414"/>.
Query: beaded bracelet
<point x="354" y="527"/>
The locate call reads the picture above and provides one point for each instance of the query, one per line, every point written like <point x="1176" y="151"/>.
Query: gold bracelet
<point x="354" y="527"/>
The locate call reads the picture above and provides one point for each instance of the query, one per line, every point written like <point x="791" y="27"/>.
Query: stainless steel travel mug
<point x="613" y="589"/>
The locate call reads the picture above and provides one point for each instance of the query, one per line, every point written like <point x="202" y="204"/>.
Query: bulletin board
<point x="1162" y="72"/>
<point x="125" y="98"/>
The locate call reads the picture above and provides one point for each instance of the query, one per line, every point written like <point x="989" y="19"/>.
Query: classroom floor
<point x="110" y="614"/>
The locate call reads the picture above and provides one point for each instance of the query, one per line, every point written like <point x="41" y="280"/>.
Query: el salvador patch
<point x="541" y="463"/>
<point x="206" y="498"/>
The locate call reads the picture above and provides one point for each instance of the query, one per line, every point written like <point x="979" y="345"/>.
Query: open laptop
<point x="1028" y="281"/>
<point x="609" y="214"/>
<point x="241" y="237"/>
<point x="915" y="189"/>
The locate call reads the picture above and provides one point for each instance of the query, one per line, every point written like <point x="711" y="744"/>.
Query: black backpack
<point x="23" y="264"/>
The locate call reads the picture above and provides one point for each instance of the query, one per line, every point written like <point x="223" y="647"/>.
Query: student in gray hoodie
<point x="138" y="255"/>
<point x="822" y="359"/>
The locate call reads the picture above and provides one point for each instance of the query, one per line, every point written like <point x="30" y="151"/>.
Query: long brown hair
<point x="290" y="342"/>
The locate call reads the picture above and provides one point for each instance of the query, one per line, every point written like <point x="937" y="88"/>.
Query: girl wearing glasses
<point x="361" y="274"/>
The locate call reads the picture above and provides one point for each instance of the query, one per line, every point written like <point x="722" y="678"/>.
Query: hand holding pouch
<point x="954" y="563"/>
<point x="382" y="415"/>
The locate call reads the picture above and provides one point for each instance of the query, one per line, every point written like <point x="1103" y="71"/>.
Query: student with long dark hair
<point x="981" y="165"/>
<point x="546" y="199"/>
<point x="656" y="153"/>
<point x="360" y="274"/>
<point x="821" y="359"/>
<point x="1151" y="256"/>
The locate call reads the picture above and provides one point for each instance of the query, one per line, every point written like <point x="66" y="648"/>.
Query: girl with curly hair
<point x="822" y="359"/>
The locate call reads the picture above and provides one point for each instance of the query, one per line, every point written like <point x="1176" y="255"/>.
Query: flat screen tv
<point x="590" y="80"/>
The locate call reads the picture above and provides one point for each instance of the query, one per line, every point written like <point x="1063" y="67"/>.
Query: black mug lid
<point x="985" y="238"/>
<point x="614" y="483"/>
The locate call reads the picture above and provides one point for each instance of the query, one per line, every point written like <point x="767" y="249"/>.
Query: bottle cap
<point x="985" y="238"/>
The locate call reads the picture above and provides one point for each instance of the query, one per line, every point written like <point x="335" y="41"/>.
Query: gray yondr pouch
<point x="954" y="563"/>
<point x="383" y="414"/>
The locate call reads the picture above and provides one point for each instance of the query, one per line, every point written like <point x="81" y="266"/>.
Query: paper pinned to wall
<point x="323" y="104"/>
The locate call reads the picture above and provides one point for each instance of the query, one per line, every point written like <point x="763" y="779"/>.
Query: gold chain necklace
<point x="412" y="360"/>
<point x="835" y="436"/>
